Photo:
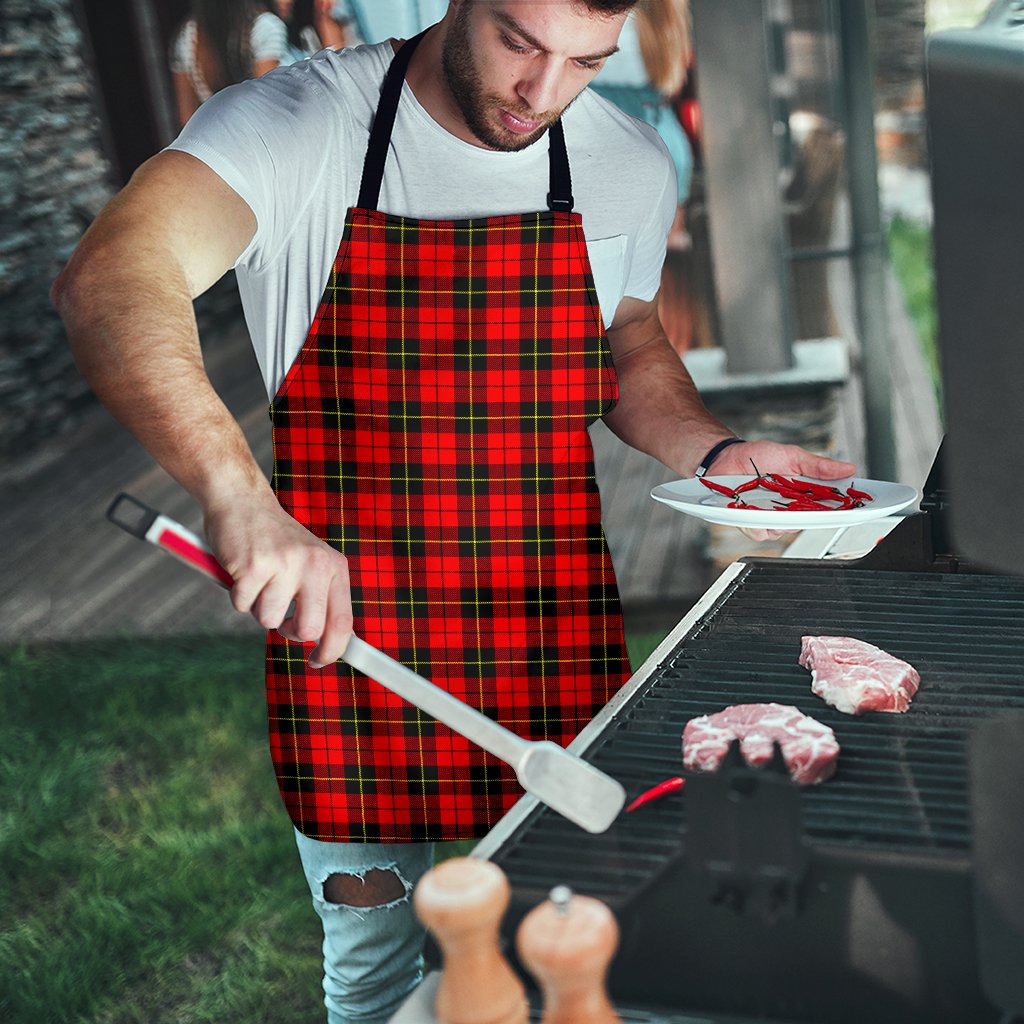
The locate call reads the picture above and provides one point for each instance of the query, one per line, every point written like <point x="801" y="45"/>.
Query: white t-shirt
<point x="292" y="144"/>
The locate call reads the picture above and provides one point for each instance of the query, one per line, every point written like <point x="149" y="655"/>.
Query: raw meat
<point x="855" y="677"/>
<point x="809" y="748"/>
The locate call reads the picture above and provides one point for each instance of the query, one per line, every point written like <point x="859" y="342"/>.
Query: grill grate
<point x="901" y="787"/>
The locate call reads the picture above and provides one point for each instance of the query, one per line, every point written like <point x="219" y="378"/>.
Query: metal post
<point x="868" y="241"/>
<point x="745" y="217"/>
<point x="154" y="63"/>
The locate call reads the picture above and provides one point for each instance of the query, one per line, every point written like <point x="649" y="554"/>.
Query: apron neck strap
<point x="559" y="196"/>
<point x="383" y="122"/>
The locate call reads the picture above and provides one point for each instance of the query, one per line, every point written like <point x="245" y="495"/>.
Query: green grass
<point x="641" y="646"/>
<point x="910" y="249"/>
<point x="148" y="873"/>
<point x="147" y="868"/>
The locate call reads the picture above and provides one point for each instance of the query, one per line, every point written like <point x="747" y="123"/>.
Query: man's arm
<point x="661" y="413"/>
<point x="126" y="300"/>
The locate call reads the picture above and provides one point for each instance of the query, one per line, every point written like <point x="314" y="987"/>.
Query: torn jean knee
<point x="372" y="954"/>
<point x="377" y="887"/>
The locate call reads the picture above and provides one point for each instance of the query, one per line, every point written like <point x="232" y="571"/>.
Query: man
<point x="433" y="474"/>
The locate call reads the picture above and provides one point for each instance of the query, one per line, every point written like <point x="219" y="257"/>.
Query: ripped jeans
<point x="373" y="944"/>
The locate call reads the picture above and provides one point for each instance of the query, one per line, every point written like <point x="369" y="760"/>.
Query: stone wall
<point x="54" y="178"/>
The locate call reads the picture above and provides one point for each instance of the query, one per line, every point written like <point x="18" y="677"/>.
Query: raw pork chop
<point x="855" y="677"/>
<point x="809" y="748"/>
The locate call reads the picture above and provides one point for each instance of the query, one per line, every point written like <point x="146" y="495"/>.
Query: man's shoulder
<point x="303" y="103"/>
<point x="595" y="117"/>
<point x="598" y="126"/>
<point x="357" y="70"/>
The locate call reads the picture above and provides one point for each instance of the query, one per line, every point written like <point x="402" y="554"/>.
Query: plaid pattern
<point x="434" y="429"/>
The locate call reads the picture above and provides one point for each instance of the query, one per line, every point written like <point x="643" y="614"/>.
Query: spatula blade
<point x="574" y="788"/>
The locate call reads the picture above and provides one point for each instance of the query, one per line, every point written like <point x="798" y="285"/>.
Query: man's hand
<point x="772" y="457"/>
<point x="285" y="577"/>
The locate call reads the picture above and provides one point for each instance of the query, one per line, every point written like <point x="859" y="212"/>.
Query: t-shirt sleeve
<point x="269" y="38"/>
<point x="268" y="139"/>
<point x="652" y="234"/>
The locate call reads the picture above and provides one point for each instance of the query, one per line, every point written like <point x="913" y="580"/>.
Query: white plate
<point x="693" y="498"/>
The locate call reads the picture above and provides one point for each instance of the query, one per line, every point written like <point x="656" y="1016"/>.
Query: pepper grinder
<point x="567" y="943"/>
<point x="462" y="901"/>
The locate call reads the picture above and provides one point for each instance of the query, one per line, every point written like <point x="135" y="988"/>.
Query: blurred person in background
<point x="373" y="21"/>
<point x="314" y="25"/>
<point x="646" y="78"/>
<point x="221" y="43"/>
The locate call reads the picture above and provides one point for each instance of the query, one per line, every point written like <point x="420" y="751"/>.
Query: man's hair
<point x="609" y="6"/>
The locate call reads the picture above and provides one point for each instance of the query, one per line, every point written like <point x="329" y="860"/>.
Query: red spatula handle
<point x="147" y="524"/>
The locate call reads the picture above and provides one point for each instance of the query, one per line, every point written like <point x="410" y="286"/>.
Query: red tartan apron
<point x="434" y="429"/>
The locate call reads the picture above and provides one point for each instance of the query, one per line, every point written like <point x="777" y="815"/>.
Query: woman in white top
<point x="313" y="25"/>
<point x="224" y="42"/>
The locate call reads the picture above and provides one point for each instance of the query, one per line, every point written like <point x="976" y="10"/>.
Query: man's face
<point x="513" y="66"/>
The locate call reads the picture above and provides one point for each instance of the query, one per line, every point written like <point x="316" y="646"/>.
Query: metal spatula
<point x="568" y="785"/>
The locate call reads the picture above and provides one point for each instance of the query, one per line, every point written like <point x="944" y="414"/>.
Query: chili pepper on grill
<point x="656" y="793"/>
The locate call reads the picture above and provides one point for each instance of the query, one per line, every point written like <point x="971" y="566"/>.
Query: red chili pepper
<point x="793" y="485"/>
<point x="862" y="495"/>
<point x="788" y="492"/>
<point x="808" y="505"/>
<point x="749" y="485"/>
<point x="656" y="793"/>
<point x="809" y="487"/>
<point x="771" y="484"/>
<point x="721" y="488"/>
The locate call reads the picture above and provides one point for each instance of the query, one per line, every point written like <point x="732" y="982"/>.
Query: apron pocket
<point x="608" y="266"/>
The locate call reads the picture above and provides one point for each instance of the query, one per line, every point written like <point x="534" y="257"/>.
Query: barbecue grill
<point x="746" y="897"/>
<point x="894" y="892"/>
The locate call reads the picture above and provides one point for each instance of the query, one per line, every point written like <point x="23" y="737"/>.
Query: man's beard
<point x="464" y="83"/>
